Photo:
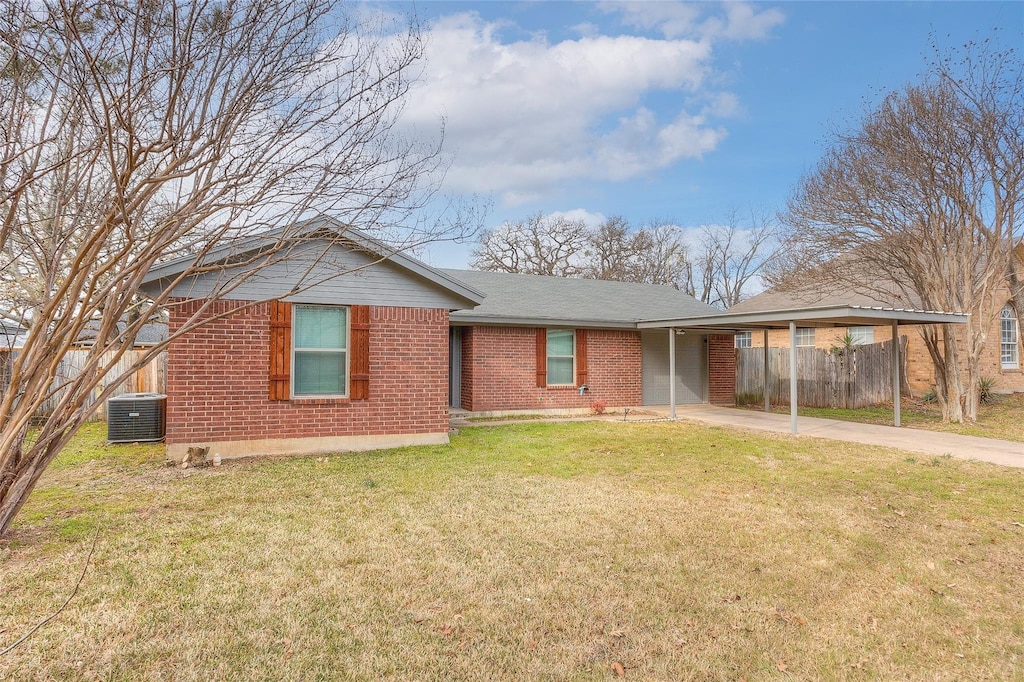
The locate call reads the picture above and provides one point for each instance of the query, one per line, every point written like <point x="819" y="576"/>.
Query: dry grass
<point x="536" y="551"/>
<point x="998" y="419"/>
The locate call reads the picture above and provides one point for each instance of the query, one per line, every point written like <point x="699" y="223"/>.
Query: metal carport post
<point x="819" y="316"/>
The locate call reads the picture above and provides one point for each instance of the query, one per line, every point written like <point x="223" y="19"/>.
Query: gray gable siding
<point x="341" y="275"/>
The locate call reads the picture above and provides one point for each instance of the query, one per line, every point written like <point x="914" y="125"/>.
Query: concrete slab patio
<point x="1004" y="452"/>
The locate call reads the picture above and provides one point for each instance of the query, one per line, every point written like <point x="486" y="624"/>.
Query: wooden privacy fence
<point x="151" y="378"/>
<point x="851" y="377"/>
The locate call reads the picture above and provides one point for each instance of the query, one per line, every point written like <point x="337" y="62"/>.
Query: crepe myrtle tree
<point x="134" y="132"/>
<point x="923" y="199"/>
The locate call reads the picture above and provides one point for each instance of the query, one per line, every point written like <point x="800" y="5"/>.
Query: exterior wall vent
<point x="136" y="418"/>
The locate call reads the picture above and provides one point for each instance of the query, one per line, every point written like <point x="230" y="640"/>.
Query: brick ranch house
<point x="374" y="351"/>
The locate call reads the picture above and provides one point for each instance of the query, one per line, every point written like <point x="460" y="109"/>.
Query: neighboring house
<point x="541" y="342"/>
<point x="1000" y="360"/>
<point x="373" y="357"/>
<point x="12" y="335"/>
<point x="150" y="334"/>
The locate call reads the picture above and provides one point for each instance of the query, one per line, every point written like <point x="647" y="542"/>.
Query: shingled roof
<point x="541" y="300"/>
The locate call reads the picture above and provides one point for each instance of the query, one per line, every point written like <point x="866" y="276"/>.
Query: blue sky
<point x="659" y="110"/>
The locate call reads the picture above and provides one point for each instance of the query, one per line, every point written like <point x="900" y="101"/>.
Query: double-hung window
<point x="804" y="337"/>
<point x="320" y="350"/>
<point x="1009" y="341"/>
<point x="561" y="357"/>
<point x="861" y="336"/>
<point x="744" y="339"/>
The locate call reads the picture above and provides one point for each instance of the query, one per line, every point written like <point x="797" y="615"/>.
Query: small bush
<point x="929" y="397"/>
<point x="986" y="390"/>
<point x="599" y="406"/>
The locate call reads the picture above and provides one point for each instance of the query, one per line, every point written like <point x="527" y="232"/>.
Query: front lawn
<point x="1002" y="418"/>
<point x="570" y="551"/>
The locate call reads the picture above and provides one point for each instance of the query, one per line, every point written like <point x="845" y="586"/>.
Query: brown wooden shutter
<point x="581" y="357"/>
<point x="359" y="387"/>
<point x="280" y="350"/>
<point x="542" y="357"/>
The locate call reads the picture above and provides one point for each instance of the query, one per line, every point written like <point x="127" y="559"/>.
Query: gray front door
<point x="455" y="366"/>
<point x="691" y="368"/>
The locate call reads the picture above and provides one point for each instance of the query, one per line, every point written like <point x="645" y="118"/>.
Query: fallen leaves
<point x="618" y="669"/>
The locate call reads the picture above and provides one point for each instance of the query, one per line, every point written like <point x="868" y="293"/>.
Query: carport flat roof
<point x="820" y="316"/>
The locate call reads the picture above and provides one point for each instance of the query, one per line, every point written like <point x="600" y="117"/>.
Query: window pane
<point x="319" y="373"/>
<point x="560" y="342"/>
<point x="861" y="335"/>
<point x="743" y="339"/>
<point x="320" y="326"/>
<point x="560" y="371"/>
<point x="1008" y="339"/>
<point x="805" y="336"/>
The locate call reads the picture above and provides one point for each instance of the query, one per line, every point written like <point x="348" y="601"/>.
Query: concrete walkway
<point x="1004" y="452"/>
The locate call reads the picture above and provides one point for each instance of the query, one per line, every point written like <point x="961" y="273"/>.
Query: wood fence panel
<point x="853" y="378"/>
<point x="151" y="378"/>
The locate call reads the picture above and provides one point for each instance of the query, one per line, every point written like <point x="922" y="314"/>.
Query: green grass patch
<point x="534" y="551"/>
<point x="1000" y="418"/>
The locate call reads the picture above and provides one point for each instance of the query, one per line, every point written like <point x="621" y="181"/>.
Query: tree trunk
<point x="20" y="481"/>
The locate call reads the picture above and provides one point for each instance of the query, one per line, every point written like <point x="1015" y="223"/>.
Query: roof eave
<point x="820" y="316"/>
<point x="463" y="320"/>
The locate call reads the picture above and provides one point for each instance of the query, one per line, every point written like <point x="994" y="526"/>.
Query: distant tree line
<point x="716" y="264"/>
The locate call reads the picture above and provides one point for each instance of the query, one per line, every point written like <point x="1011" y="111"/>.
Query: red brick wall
<point x="721" y="369"/>
<point x="217" y="380"/>
<point x="499" y="372"/>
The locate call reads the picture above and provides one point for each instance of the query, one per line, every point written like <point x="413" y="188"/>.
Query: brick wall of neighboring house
<point x="721" y="369"/>
<point x="217" y="380"/>
<point x="499" y="370"/>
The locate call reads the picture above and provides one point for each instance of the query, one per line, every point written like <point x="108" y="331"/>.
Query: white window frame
<point x="804" y="332"/>
<point x="1009" y="339"/>
<point x="548" y="356"/>
<point x="744" y="339"/>
<point x="861" y="336"/>
<point x="346" y="352"/>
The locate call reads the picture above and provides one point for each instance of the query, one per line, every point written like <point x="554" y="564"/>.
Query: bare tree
<point x="923" y="200"/>
<point x="728" y="257"/>
<point x="135" y="132"/>
<point x="652" y="254"/>
<point x="717" y="268"/>
<point x="538" y="245"/>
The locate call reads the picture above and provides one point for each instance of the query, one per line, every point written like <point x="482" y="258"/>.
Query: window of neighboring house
<point x="861" y="336"/>
<point x="804" y="337"/>
<point x="1009" y="339"/>
<point x="320" y="350"/>
<point x="743" y="339"/>
<point x="561" y="355"/>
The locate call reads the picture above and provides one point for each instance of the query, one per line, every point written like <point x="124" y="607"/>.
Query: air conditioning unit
<point x="136" y="418"/>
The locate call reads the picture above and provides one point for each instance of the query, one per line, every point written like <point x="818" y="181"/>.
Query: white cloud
<point x="526" y="115"/>
<point x="590" y="218"/>
<point x="742" y="20"/>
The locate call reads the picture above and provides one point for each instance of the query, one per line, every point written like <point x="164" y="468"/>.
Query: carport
<point x="824" y="316"/>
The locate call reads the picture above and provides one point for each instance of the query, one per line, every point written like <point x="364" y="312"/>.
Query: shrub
<point x="598" y="406"/>
<point x="986" y="390"/>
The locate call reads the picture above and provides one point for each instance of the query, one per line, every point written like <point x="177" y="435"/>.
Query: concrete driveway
<point x="1004" y="452"/>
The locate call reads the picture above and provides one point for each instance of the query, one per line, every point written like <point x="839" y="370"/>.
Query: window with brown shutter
<point x="316" y="356"/>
